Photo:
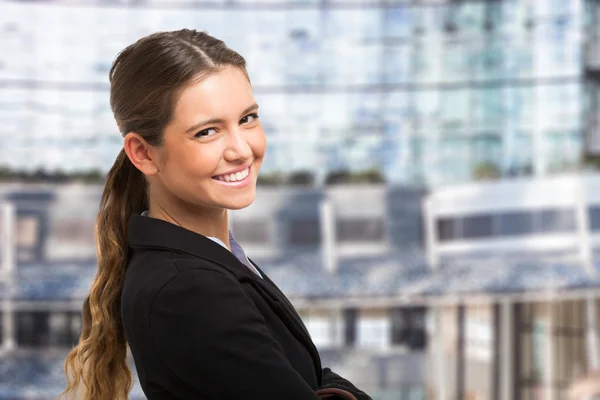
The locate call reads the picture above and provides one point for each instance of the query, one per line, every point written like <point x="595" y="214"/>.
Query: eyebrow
<point x="218" y="120"/>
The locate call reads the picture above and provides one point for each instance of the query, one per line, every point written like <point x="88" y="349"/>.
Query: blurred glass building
<point x="428" y="92"/>
<point x="479" y="291"/>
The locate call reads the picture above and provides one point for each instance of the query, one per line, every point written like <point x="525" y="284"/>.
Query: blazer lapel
<point x="289" y="316"/>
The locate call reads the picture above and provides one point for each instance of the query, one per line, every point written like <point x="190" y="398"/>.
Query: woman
<point x="202" y="321"/>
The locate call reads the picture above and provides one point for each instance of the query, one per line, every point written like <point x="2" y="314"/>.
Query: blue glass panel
<point x="488" y="59"/>
<point x="274" y="114"/>
<point x="455" y="109"/>
<point x="488" y="107"/>
<point x="426" y="110"/>
<point x="454" y="165"/>
<point x="353" y="24"/>
<point x="427" y="60"/>
<point x="559" y="105"/>
<point x="519" y="153"/>
<point x="470" y="18"/>
<point x="457" y="63"/>
<point x="518" y="58"/>
<point x="486" y="148"/>
<point x="594" y="216"/>
<point x="396" y="64"/>
<point x="519" y="105"/>
<point x="398" y="22"/>
<point x="302" y="48"/>
<point x="429" y="21"/>
<point x="562" y="149"/>
<point x="356" y="64"/>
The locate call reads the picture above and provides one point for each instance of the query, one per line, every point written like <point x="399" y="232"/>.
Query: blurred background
<point x="430" y="199"/>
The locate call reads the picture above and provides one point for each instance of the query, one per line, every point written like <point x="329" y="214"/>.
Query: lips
<point x="234" y="176"/>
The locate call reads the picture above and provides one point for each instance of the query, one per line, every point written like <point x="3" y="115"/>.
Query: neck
<point x="205" y="221"/>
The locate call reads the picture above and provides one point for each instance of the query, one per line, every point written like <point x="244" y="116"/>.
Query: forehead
<point x="220" y="94"/>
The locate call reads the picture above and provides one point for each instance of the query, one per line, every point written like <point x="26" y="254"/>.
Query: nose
<point x="237" y="147"/>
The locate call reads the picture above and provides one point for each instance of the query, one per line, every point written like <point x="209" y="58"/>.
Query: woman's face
<point x="214" y="145"/>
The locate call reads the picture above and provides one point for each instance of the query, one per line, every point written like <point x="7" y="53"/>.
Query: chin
<point x="238" y="206"/>
<point x="240" y="202"/>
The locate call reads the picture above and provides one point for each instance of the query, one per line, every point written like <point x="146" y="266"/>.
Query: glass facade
<point x="427" y="93"/>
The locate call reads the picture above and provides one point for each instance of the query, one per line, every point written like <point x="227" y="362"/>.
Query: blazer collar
<point x="146" y="232"/>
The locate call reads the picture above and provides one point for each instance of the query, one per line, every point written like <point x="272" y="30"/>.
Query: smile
<point x="239" y="178"/>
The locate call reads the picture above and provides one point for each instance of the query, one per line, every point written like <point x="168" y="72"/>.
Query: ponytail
<point x="98" y="365"/>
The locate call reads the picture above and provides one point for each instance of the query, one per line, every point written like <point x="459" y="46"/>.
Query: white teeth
<point x="238" y="176"/>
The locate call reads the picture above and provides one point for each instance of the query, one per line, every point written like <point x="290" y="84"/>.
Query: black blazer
<point x="201" y="325"/>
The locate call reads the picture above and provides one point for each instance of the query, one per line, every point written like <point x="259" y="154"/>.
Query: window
<point x="560" y="105"/>
<point x="397" y="69"/>
<point x="515" y="223"/>
<point x="488" y="59"/>
<point x="304" y="232"/>
<point x="479" y="333"/>
<point x="75" y="326"/>
<point x="478" y="226"/>
<point x="360" y="229"/>
<point x="518" y="103"/>
<point x="407" y="327"/>
<point x="486" y="148"/>
<point x="397" y="22"/>
<point x="350" y="326"/>
<point x="27" y="231"/>
<point x="399" y="324"/>
<point x="520" y="153"/>
<point x="594" y="216"/>
<point x="488" y="108"/>
<point x="59" y="328"/>
<point x="447" y="229"/>
<point x="251" y="231"/>
<point x="373" y="330"/>
<point x="555" y="221"/>
<point x="74" y="229"/>
<point x="426" y="108"/>
<point x="563" y="147"/>
<point x="457" y="67"/>
<point x="47" y="329"/>
<point x="320" y="329"/>
<point x="32" y="328"/>
<point x="455" y="109"/>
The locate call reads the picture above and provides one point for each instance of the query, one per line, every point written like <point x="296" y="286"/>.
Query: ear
<point x="140" y="153"/>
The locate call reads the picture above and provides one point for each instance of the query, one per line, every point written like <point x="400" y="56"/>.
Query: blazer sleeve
<point x="331" y="380"/>
<point x="209" y="334"/>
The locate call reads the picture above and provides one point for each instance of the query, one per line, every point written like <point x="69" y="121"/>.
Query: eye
<point x="249" y="118"/>
<point x="206" y="132"/>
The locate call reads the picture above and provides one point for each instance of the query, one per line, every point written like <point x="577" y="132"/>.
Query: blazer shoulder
<point x="184" y="263"/>
<point x="169" y="261"/>
<point x="150" y="270"/>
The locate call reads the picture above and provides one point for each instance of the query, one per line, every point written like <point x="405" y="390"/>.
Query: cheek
<point x="193" y="163"/>
<point x="259" y="144"/>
